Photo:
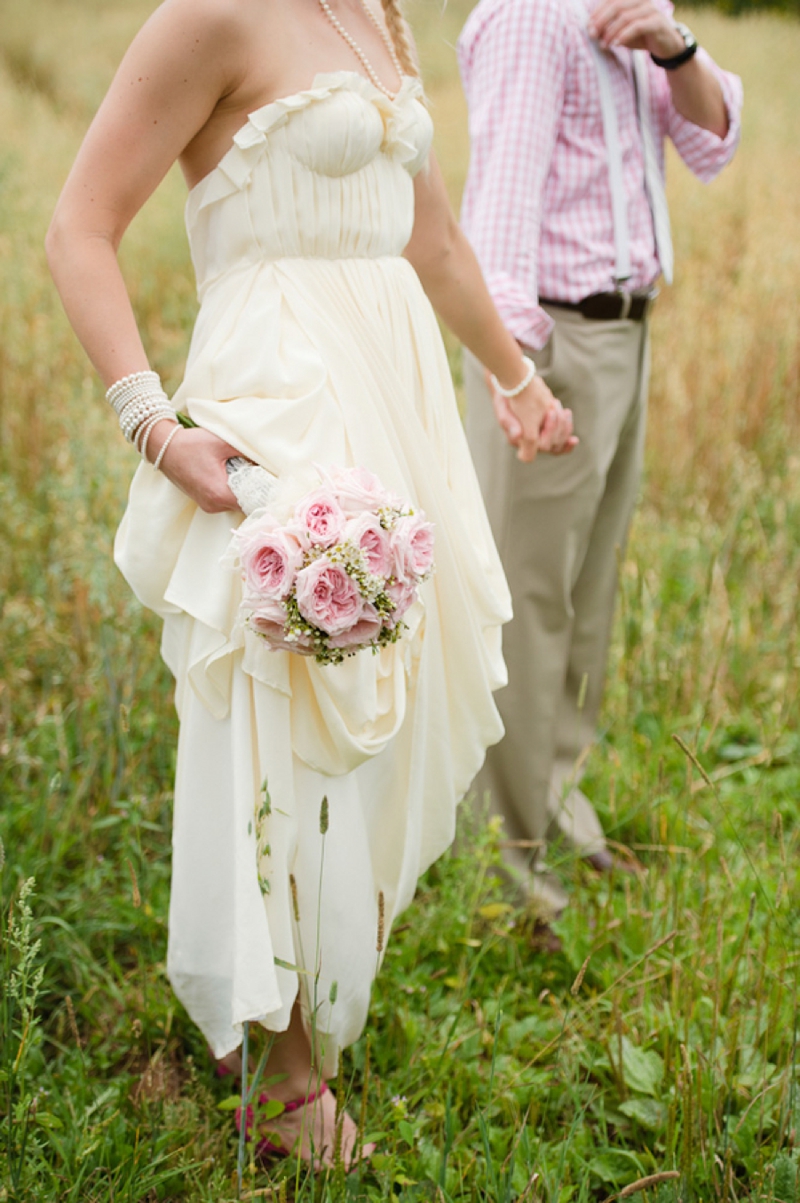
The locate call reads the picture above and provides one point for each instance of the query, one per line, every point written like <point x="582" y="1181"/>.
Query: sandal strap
<point x="296" y="1104"/>
<point x="292" y="1105"/>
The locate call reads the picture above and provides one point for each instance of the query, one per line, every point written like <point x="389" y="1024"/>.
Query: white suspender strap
<point x="653" y="179"/>
<point x="619" y="204"/>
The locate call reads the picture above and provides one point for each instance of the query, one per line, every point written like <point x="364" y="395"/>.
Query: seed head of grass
<point x="136" y="896"/>
<point x="381" y="920"/>
<point x="73" y="1025"/>
<point x="295" y="901"/>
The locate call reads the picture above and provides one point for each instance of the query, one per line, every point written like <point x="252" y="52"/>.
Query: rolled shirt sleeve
<point x="704" y="152"/>
<point x="512" y="56"/>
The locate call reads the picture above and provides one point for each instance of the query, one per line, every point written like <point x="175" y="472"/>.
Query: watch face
<point x="686" y="34"/>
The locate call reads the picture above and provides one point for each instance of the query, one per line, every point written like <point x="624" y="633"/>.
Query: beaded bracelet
<point x="510" y="393"/>
<point x="143" y="433"/>
<point x="164" y="445"/>
<point x="137" y="413"/>
<point x="139" y="402"/>
<point x="127" y="388"/>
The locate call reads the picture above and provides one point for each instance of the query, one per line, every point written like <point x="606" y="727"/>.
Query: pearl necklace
<point x="359" y="53"/>
<point x="387" y="41"/>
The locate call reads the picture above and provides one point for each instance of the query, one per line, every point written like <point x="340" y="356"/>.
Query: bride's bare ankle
<point x="290" y="1060"/>
<point x="296" y="1086"/>
<point x="231" y="1065"/>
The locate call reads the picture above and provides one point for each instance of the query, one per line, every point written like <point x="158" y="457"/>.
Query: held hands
<point x="534" y="421"/>
<point x="637" y="24"/>
<point x="195" y="462"/>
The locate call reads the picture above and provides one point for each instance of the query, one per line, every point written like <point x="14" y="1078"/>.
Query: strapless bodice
<point x="325" y="173"/>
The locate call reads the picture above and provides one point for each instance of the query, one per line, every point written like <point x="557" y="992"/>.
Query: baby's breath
<point x="388" y="516"/>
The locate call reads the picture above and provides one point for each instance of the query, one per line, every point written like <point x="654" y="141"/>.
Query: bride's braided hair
<point x="398" y="30"/>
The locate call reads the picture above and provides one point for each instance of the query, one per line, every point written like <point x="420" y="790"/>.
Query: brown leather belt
<point x="609" y="306"/>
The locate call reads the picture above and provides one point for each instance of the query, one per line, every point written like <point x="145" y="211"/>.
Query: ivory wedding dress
<point x="315" y="343"/>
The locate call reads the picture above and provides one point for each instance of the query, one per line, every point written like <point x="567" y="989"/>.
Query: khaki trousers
<point x="560" y="524"/>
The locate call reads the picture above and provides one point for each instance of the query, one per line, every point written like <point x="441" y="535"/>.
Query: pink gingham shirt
<point x="537" y="203"/>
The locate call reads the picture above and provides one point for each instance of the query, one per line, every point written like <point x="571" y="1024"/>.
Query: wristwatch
<point x="689" y="50"/>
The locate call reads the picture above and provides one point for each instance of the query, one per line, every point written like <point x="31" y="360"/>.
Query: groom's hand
<point x="534" y="421"/>
<point x="637" y="24"/>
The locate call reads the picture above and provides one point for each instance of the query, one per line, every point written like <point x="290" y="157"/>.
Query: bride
<point x="322" y="242"/>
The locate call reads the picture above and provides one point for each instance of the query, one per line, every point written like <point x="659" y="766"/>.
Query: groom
<point x="570" y="103"/>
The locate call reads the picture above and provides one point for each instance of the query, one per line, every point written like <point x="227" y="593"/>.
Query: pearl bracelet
<point x="164" y="445"/>
<point x="139" y="402"/>
<point x="510" y="393"/>
<point x="138" y="384"/>
<point x="137" y="413"/>
<point x="142" y="436"/>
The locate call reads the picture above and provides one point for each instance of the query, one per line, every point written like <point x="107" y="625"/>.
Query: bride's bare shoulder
<point x="227" y="17"/>
<point x="209" y="41"/>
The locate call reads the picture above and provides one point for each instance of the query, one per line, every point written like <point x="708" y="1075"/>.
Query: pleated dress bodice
<point x="327" y="173"/>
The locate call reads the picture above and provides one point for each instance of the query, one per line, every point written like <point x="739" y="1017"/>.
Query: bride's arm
<point x="446" y="265"/>
<point x="168" y="84"/>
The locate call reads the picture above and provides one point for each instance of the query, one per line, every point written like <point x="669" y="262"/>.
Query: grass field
<point x="663" y="1040"/>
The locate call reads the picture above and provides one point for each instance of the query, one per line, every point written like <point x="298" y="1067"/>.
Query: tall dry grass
<point x="637" y="1050"/>
<point x="727" y="365"/>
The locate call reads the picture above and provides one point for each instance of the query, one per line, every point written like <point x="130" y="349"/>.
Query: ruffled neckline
<point x="234" y="168"/>
<point x="323" y="84"/>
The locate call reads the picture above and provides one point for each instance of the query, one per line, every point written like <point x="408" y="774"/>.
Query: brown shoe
<point x="604" y="862"/>
<point x="544" y="939"/>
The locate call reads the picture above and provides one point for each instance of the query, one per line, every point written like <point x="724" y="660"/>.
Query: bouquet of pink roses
<point x="338" y="571"/>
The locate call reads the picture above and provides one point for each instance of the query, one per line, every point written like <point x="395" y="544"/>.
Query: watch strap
<point x="677" y="60"/>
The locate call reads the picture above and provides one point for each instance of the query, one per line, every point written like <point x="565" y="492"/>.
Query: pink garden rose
<point x="268" y="614"/>
<point x="327" y="597"/>
<point x="368" y="534"/>
<point x="358" y="489"/>
<point x="269" y="619"/>
<point x="270" y="560"/>
<point x="366" y="629"/>
<point x="412" y="547"/>
<point x="402" y="595"/>
<point x="322" y="516"/>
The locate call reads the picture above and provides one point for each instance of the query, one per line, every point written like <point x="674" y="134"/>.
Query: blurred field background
<point x="663" y="1039"/>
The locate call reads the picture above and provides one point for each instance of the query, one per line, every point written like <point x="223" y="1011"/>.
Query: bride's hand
<point x="195" y="462"/>
<point x="535" y="421"/>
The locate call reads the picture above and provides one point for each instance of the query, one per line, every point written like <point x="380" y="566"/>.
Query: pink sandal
<point x="221" y="1070"/>
<point x="265" y="1148"/>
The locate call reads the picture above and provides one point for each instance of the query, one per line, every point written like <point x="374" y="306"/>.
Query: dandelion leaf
<point x="642" y="1071"/>
<point x="616" y="1166"/>
<point x="784" y="1183"/>
<point x="647" y="1112"/>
